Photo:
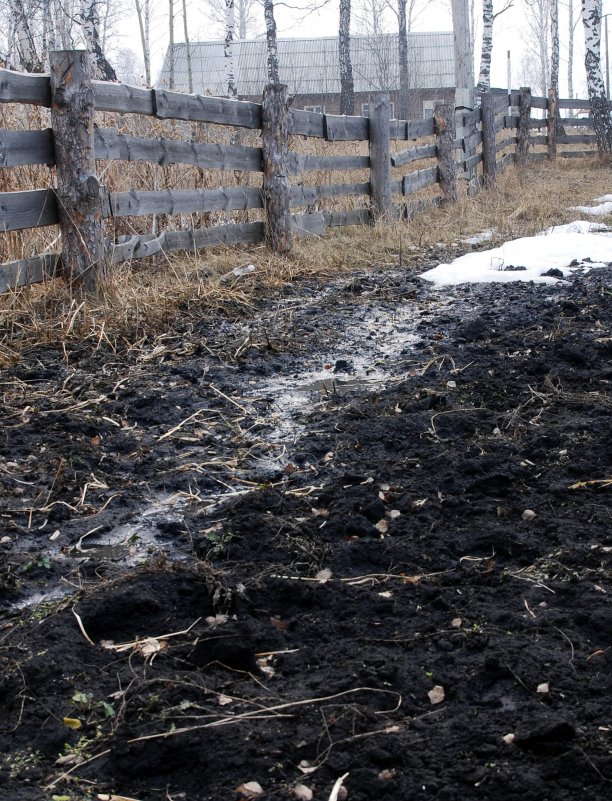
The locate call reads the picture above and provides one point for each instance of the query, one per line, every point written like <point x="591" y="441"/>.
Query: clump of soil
<point x="400" y="574"/>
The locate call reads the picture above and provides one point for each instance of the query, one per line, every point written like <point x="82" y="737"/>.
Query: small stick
<point x="227" y="398"/>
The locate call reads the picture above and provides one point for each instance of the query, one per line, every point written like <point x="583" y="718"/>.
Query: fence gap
<point x="444" y="120"/>
<point x="380" y="156"/>
<point x="275" y="146"/>
<point x="78" y="189"/>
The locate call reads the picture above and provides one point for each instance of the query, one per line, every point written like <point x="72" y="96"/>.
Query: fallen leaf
<point x="95" y="441"/>
<point x="301" y="792"/>
<point x="386" y="594"/>
<point x="436" y="694"/>
<point x="387" y="774"/>
<point x="528" y="515"/>
<point x="278" y="623"/>
<point x="250" y="789"/>
<point x="69" y="759"/>
<point x="150" y="646"/>
<point x="320" y="512"/>
<point x="72" y="723"/>
<point x="324" y="575"/>
<point x="543" y="688"/>
<point x="451" y="384"/>
<point x="305" y="767"/>
<point x="224" y="700"/>
<point x="508" y="738"/>
<point x="393" y="514"/>
<point x="382" y="526"/>
<point x="412" y="579"/>
<point x="217" y="620"/>
<point x="598" y="588"/>
<point x="398" y="409"/>
<point x="456" y="622"/>
<point x="418" y="503"/>
<point x="328" y="457"/>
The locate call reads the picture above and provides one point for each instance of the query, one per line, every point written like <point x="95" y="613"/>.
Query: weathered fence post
<point x="444" y="121"/>
<point x="78" y="190"/>
<point x="524" y="129"/>
<point x="551" y="124"/>
<point x="488" y="138"/>
<point x="380" y="156"/>
<point x="276" y="190"/>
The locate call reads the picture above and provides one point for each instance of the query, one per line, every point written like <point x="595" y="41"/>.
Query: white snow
<point x="582" y="242"/>
<point x="483" y="236"/>
<point x="602" y="210"/>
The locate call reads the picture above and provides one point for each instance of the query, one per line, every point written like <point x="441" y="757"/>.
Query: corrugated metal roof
<point x="310" y="66"/>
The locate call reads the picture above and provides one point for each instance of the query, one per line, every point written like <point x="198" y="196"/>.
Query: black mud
<point x="400" y="573"/>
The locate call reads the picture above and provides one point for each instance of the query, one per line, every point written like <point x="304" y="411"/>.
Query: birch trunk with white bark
<point x="591" y="19"/>
<point x="484" y="78"/>
<point x="272" y="47"/>
<point x="228" y="49"/>
<point x="89" y="20"/>
<point x="347" y="87"/>
<point x="404" y="77"/>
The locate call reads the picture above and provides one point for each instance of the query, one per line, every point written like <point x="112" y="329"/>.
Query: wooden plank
<point x="21" y="87"/>
<point x="551" y="127"/>
<point x="312" y="224"/>
<point x="416" y="129"/>
<point x="351" y="217"/>
<point x="397" y="129"/>
<point x="185" y="201"/>
<point x="535" y="123"/>
<point x="18" y="148"/>
<point x="413" y="154"/>
<point x="577" y="139"/>
<point x="33" y="209"/>
<point x="306" y="123"/>
<point x="110" y="144"/>
<point x="538" y="140"/>
<point x="468" y="118"/>
<point x="138" y="247"/>
<point x="511" y="121"/>
<point x="14" y="274"/>
<point x="504" y="143"/>
<point x="396" y="187"/>
<point x="537" y="157"/>
<point x="471" y="161"/>
<point x="419" y="180"/>
<point x="578" y="154"/>
<point x="299" y="163"/>
<point x="505" y="122"/>
<point x="123" y="98"/>
<point x="220" y="110"/>
<point x="523" y="142"/>
<point x="307" y="195"/>
<point x="539" y="102"/>
<point x="515" y="98"/>
<point x="339" y="128"/>
<point x="380" y="156"/>
<point x="573" y="103"/>
<point x="445" y="131"/>
<point x="500" y="102"/>
<point x="276" y="191"/>
<point x="576" y="122"/>
<point x="471" y="142"/>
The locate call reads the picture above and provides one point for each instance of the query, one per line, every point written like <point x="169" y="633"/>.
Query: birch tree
<point x="591" y="19"/>
<point x="272" y="47"/>
<point x="347" y="86"/>
<point x="89" y="20"/>
<point x="228" y="49"/>
<point x="143" y="12"/>
<point x="246" y="22"/>
<point x="537" y="19"/>
<point x="488" y="19"/>
<point x="554" y="46"/>
<point x="171" y="44"/>
<point x="404" y="76"/>
<point x="23" y="52"/>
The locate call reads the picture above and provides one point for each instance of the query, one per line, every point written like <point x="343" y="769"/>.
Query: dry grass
<point x="143" y="300"/>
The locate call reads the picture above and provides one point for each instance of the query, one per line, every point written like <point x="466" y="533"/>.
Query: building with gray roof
<point x="310" y="69"/>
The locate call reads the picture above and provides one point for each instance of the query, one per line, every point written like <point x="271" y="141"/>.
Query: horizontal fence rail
<point x="474" y="145"/>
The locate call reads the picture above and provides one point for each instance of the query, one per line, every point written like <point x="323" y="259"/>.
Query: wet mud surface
<point x="362" y="528"/>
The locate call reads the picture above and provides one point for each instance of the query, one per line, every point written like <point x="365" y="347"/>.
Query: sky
<point x="509" y="33"/>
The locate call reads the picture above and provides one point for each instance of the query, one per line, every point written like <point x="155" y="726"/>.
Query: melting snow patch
<point x="562" y="248"/>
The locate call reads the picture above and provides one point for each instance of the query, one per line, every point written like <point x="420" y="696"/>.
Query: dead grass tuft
<point x="145" y="299"/>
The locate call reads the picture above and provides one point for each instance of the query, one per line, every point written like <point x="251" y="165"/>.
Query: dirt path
<point x="366" y="528"/>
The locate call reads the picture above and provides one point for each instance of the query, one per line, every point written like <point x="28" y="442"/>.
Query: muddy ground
<point x="359" y="530"/>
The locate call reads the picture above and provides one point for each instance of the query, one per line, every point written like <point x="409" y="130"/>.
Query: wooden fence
<point x="501" y="131"/>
